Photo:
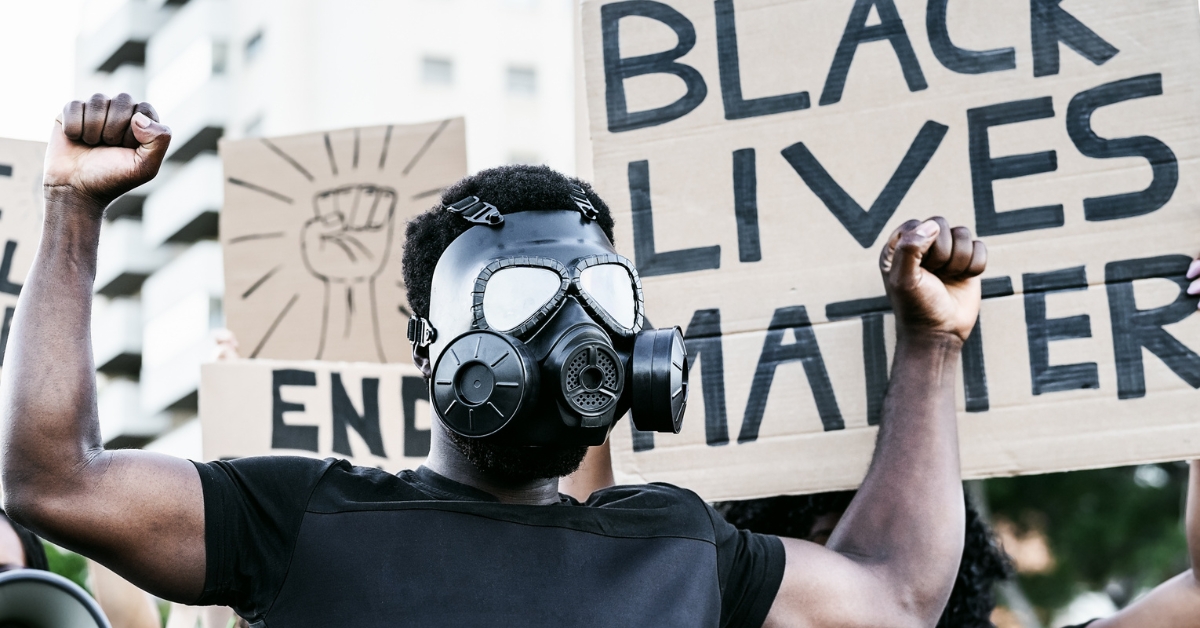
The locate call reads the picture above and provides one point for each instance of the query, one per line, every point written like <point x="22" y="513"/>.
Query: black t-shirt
<point x="301" y="542"/>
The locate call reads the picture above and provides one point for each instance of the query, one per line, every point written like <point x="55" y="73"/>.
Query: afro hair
<point x="511" y="189"/>
<point x="983" y="564"/>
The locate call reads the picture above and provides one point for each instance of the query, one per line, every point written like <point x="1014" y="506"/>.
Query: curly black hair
<point x="984" y="563"/>
<point x="511" y="189"/>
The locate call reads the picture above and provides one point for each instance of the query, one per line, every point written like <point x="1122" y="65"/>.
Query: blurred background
<point x="1083" y="543"/>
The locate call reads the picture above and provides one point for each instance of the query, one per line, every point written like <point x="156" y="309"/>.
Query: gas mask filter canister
<point x="540" y="335"/>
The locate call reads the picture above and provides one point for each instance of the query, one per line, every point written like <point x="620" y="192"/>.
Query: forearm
<point x="48" y="393"/>
<point x="906" y="522"/>
<point x="1193" y="517"/>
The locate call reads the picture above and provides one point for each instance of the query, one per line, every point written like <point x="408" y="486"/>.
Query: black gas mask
<point x="537" y="333"/>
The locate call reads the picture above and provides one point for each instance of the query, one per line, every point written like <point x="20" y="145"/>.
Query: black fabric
<point x="302" y="542"/>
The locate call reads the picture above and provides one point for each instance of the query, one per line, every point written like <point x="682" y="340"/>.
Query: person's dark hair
<point x="511" y="189"/>
<point x="983" y="564"/>
<point x="35" y="554"/>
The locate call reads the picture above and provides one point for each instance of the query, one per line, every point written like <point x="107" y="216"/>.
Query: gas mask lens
<point x="513" y="295"/>
<point x="517" y="295"/>
<point x="611" y="288"/>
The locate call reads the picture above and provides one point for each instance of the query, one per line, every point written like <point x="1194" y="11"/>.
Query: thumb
<point x="913" y="245"/>
<point x="152" y="138"/>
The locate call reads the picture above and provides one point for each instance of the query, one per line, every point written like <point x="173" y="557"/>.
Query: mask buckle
<point x="420" y="332"/>
<point x="582" y="202"/>
<point x="477" y="212"/>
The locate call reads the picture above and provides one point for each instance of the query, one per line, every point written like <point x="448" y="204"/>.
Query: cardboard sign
<point x="371" y="414"/>
<point x="312" y="229"/>
<point x="20" y="222"/>
<point x="758" y="153"/>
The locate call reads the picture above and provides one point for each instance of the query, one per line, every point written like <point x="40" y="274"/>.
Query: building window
<point x="253" y="47"/>
<point x="522" y="81"/>
<point x="220" y="57"/>
<point x="437" y="71"/>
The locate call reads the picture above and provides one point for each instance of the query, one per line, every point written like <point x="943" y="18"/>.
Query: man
<point x="480" y="535"/>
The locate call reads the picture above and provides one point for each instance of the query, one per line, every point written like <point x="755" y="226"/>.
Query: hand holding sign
<point x="105" y="147"/>
<point x="931" y="273"/>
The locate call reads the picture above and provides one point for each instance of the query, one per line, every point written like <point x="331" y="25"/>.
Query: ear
<point x="421" y="359"/>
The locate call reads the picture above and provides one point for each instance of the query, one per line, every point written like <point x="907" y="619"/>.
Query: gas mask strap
<point x="582" y="202"/>
<point x="420" y="332"/>
<point x="476" y="211"/>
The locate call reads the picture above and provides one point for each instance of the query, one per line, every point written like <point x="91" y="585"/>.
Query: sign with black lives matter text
<point x="757" y="154"/>
<point x="374" y="415"/>
<point x="20" y="222"/>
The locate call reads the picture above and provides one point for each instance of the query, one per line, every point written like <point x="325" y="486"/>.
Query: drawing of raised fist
<point x="349" y="238"/>
<point x="346" y="245"/>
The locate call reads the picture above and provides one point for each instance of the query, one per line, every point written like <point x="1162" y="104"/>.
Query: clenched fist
<point x="103" y="148"/>
<point x="932" y="276"/>
<point x="350" y="237"/>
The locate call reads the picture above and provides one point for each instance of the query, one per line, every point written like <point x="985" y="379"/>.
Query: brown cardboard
<point x="299" y="282"/>
<point x="20" y="221"/>
<point x="372" y="414"/>
<point x="684" y="171"/>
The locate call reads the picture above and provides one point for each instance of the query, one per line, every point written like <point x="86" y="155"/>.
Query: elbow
<point x="19" y="504"/>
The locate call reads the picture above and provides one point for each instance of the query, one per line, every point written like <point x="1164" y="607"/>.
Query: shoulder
<point x="662" y="507"/>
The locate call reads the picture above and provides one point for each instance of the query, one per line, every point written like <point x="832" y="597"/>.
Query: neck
<point x="446" y="460"/>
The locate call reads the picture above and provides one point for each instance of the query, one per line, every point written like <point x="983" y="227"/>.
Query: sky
<point x="37" y="71"/>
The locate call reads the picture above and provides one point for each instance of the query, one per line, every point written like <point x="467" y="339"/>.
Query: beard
<point x="519" y="463"/>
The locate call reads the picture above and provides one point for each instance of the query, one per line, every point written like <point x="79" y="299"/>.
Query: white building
<point x="238" y="68"/>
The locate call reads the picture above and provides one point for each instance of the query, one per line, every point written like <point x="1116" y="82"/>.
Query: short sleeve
<point x="253" y="508"/>
<point x="750" y="568"/>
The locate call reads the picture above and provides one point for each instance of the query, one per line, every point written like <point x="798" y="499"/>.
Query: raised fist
<point x="349" y="239"/>
<point x="104" y="148"/>
<point x="931" y="273"/>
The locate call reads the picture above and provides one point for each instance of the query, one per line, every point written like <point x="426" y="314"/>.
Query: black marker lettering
<point x="651" y="263"/>
<point x="985" y="169"/>
<point x="865" y="225"/>
<point x="1162" y="160"/>
<point x="891" y="28"/>
<point x="344" y="414"/>
<point x="745" y="205"/>
<point x="284" y="436"/>
<point x="775" y="352"/>
<point x="1133" y="329"/>
<point x="703" y="339"/>
<point x="618" y="69"/>
<point x="1050" y="24"/>
<point x="416" y="442"/>
<point x="737" y="107"/>
<point x="1041" y="331"/>
<point x="957" y="59"/>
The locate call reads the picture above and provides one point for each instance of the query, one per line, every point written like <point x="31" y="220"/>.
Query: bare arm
<point x="138" y="513"/>
<point x="892" y="559"/>
<point x="1176" y="602"/>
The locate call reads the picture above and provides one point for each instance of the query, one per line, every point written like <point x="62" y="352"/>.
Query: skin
<point x="12" y="554"/>
<point x="142" y="514"/>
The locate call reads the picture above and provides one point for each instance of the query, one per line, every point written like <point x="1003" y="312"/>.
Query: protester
<point x="480" y="534"/>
